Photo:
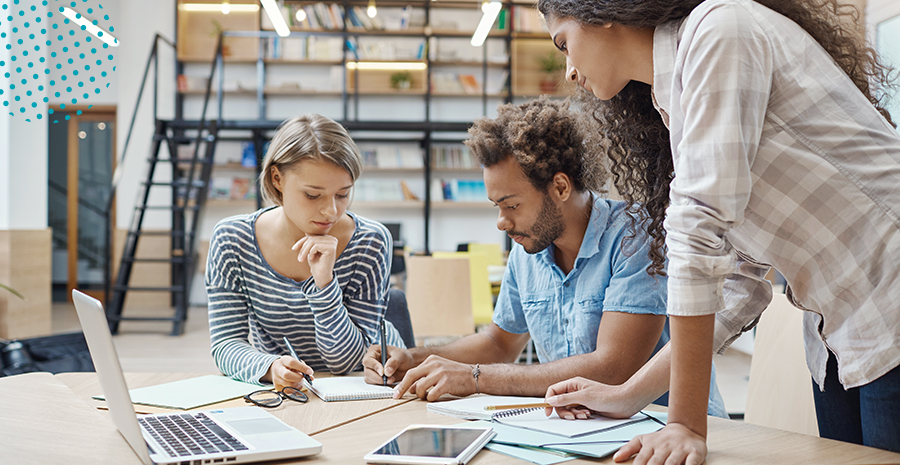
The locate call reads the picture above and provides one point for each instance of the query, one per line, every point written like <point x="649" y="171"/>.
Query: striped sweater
<point x="252" y="307"/>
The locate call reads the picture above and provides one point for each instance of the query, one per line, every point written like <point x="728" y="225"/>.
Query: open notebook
<point x="340" y="388"/>
<point x="473" y="408"/>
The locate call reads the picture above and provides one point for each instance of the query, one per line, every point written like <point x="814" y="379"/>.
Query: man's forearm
<point x="533" y="380"/>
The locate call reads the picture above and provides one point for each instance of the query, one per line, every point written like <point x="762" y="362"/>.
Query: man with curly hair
<point x="577" y="282"/>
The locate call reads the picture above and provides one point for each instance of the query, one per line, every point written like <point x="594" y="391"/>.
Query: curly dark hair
<point x="636" y="142"/>
<point x="545" y="137"/>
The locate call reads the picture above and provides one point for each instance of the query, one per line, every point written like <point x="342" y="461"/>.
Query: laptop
<point x="230" y="435"/>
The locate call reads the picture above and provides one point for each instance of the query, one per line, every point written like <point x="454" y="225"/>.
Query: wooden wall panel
<point x="25" y="265"/>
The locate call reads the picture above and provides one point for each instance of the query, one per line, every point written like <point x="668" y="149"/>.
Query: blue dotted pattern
<point x="79" y="72"/>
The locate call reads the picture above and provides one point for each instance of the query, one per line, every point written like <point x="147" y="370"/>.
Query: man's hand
<point x="320" y="253"/>
<point x="435" y="377"/>
<point x="398" y="361"/>
<point x="675" y="444"/>
<point x="579" y="397"/>
<point x="287" y="371"/>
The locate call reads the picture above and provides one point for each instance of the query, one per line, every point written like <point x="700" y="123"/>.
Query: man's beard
<point x="547" y="228"/>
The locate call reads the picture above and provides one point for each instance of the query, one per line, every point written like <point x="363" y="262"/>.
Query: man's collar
<point x="590" y="243"/>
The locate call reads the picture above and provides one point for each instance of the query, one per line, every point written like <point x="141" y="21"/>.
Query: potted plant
<point x="401" y="80"/>
<point x="13" y="291"/>
<point x="551" y="64"/>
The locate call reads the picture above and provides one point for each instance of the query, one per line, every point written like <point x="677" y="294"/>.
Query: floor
<point x="147" y="347"/>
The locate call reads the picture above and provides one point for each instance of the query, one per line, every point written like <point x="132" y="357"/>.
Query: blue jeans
<point x="867" y="415"/>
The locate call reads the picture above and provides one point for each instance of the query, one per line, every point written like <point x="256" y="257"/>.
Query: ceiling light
<point x="371" y="11"/>
<point x="275" y="16"/>
<point x="219" y="8"/>
<point x="384" y="65"/>
<point x="89" y="26"/>
<point x="300" y="15"/>
<point x="226" y="8"/>
<point x="491" y="10"/>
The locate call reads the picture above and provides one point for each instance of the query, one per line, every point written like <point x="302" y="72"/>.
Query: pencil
<point x="512" y="406"/>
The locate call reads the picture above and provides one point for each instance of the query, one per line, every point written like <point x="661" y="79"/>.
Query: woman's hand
<point x="675" y="444"/>
<point x="287" y="371"/>
<point x="320" y="253"/>
<point x="577" y="398"/>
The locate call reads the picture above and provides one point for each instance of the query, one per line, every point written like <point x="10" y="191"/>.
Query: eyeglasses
<point x="271" y="399"/>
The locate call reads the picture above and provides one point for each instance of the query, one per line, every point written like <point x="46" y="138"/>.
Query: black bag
<point x="61" y="353"/>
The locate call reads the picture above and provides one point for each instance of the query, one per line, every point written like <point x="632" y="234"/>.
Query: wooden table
<point x="46" y="419"/>
<point x="313" y="417"/>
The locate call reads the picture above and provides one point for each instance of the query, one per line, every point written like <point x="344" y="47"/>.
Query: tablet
<point x="432" y="444"/>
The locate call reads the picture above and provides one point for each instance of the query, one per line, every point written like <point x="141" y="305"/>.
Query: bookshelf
<point x="326" y="66"/>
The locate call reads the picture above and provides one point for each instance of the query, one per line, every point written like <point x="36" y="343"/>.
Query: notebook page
<point x="472" y="407"/>
<point x="538" y="421"/>
<point x="341" y="388"/>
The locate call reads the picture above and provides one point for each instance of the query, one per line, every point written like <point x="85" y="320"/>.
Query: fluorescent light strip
<point x="244" y="7"/>
<point x="414" y="65"/>
<point x="275" y="16"/>
<point x="80" y="20"/>
<point x="491" y="10"/>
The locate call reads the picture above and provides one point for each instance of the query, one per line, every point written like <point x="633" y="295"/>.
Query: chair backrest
<point x="490" y="250"/>
<point x="439" y="298"/>
<point x="779" y="393"/>
<point x="397" y="313"/>
<point x="479" y="284"/>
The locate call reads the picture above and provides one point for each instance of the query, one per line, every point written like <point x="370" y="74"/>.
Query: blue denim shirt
<point x="562" y="312"/>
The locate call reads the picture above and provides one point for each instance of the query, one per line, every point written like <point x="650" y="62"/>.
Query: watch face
<point x="431" y="442"/>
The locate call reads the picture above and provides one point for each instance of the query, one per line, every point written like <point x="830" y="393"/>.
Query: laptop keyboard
<point x="189" y="434"/>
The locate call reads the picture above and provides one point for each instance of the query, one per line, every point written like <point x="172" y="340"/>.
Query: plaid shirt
<point x="779" y="162"/>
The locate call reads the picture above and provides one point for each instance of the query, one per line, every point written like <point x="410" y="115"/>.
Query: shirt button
<point x="566" y="284"/>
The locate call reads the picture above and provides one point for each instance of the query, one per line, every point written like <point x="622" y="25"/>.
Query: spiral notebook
<point x="473" y="408"/>
<point x="340" y="388"/>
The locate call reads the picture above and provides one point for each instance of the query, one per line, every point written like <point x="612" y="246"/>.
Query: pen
<point x="387" y="300"/>
<point x="512" y="406"/>
<point x="294" y="354"/>
<point x="383" y="353"/>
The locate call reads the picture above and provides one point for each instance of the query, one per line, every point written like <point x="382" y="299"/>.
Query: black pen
<point x="383" y="353"/>
<point x="294" y="354"/>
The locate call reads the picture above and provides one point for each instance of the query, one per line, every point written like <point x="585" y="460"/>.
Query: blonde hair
<point x="307" y="137"/>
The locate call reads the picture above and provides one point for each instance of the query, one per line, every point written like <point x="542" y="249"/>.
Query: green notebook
<point x="192" y="393"/>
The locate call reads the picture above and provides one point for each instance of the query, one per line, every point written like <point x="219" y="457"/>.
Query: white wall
<point x="23" y="146"/>
<point x="140" y="21"/>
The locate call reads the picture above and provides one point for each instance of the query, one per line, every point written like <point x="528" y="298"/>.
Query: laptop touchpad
<point x="259" y="426"/>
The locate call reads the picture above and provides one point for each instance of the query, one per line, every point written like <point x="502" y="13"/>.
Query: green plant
<point x="13" y="291"/>
<point x="401" y="80"/>
<point x="551" y="63"/>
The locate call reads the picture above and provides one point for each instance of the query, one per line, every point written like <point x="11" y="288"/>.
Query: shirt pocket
<point x="586" y="324"/>
<point x="542" y="319"/>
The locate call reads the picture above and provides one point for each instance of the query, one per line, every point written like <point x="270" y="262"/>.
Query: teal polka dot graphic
<point x="47" y="43"/>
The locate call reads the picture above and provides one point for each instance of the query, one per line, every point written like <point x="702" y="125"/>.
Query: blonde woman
<point x="306" y="268"/>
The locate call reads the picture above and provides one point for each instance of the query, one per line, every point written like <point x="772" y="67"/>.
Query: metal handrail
<point x="120" y="164"/>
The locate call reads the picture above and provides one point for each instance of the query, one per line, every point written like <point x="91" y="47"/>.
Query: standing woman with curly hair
<point x="754" y="134"/>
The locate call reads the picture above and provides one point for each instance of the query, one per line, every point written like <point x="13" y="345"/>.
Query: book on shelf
<point x="188" y="83"/>
<point x="527" y="19"/>
<point x="455" y="83"/>
<point x="231" y="188"/>
<point x="392" y="156"/>
<point x="453" y="156"/>
<point x="470" y="84"/>
<point x="464" y="190"/>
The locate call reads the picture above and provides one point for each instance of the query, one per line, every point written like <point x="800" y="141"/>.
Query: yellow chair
<point x="490" y="250"/>
<point x="479" y="285"/>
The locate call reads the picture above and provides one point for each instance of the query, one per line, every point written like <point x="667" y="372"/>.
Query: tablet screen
<point x="431" y="442"/>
